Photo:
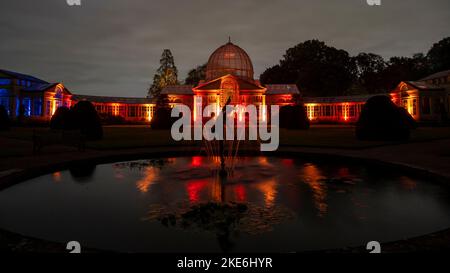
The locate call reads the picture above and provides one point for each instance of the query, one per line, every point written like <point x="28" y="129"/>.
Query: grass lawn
<point x="329" y="136"/>
<point x="18" y="141"/>
<point x="122" y="137"/>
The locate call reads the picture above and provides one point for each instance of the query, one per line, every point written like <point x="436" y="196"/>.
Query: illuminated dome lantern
<point x="229" y="59"/>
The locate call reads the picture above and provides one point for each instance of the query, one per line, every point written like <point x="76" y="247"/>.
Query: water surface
<point x="166" y="205"/>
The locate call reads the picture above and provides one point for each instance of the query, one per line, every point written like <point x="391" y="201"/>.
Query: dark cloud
<point x="112" y="47"/>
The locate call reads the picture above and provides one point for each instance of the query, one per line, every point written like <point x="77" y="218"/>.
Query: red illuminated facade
<point x="229" y="74"/>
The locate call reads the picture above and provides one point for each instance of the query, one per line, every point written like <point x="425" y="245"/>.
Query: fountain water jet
<point x="219" y="154"/>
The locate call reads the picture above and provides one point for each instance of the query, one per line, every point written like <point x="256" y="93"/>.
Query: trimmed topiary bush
<point x="412" y="123"/>
<point x="381" y="119"/>
<point x="4" y="118"/>
<point x="85" y="118"/>
<point x="294" y="117"/>
<point x="162" y="118"/>
<point x="61" y="120"/>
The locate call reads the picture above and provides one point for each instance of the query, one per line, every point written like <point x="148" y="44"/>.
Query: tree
<point x="439" y="56"/>
<point x="405" y="69"/>
<point x="317" y="69"/>
<point x="277" y="74"/>
<point x="196" y="75"/>
<point x="167" y="74"/>
<point x="370" y="69"/>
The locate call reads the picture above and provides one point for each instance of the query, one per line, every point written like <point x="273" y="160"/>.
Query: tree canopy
<point x="196" y="75"/>
<point x="439" y="55"/>
<point x="369" y="72"/>
<point x="321" y="70"/>
<point x="167" y="74"/>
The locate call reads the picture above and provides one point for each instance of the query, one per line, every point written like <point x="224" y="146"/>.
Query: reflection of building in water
<point x="241" y="193"/>
<point x="151" y="173"/>
<point x="407" y="183"/>
<point x="194" y="189"/>
<point x="343" y="172"/>
<point x="264" y="161"/>
<point x="319" y="189"/>
<point x="287" y="162"/>
<point x="269" y="190"/>
<point x="197" y="161"/>
<point x="56" y="176"/>
<point x="218" y="190"/>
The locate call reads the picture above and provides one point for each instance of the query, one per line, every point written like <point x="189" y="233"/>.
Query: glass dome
<point x="229" y="59"/>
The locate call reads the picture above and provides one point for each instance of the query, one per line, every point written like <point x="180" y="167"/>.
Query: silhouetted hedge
<point x="110" y="119"/>
<point x="408" y="118"/>
<point x="85" y="118"/>
<point x="61" y="120"/>
<point x="162" y="119"/>
<point x="294" y="117"/>
<point x="381" y="119"/>
<point x="4" y="118"/>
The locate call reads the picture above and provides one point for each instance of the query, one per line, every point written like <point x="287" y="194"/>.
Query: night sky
<point x="113" y="47"/>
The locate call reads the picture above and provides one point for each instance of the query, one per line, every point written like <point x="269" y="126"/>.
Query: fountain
<point x="223" y="172"/>
<point x="217" y="152"/>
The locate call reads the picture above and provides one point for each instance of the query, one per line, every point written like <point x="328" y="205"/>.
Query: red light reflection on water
<point x="56" y="176"/>
<point x="147" y="180"/>
<point x="288" y="162"/>
<point x="407" y="183"/>
<point x="313" y="175"/>
<point x="194" y="188"/>
<point x="196" y="161"/>
<point x="343" y="172"/>
<point x="241" y="194"/>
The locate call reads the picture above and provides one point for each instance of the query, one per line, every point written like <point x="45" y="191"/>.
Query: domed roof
<point x="229" y="59"/>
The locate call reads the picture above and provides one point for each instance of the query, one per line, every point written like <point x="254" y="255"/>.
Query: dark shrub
<point x="110" y="119"/>
<point x="61" y="120"/>
<point x="4" y="118"/>
<point x="408" y="118"/>
<point x="162" y="118"/>
<point x="294" y="117"/>
<point x="85" y="118"/>
<point x="381" y="119"/>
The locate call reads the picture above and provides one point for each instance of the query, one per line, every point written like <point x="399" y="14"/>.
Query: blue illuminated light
<point x="37" y="107"/>
<point x="5" y="81"/>
<point x="5" y="103"/>
<point x="17" y="107"/>
<point x="27" y="106"/>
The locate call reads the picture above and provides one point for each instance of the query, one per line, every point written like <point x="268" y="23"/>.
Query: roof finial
<point x="229" y="39"/>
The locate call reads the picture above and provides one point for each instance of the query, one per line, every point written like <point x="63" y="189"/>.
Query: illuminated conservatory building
<point x="229" y="74"/>
<point x="37" y="99"/>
